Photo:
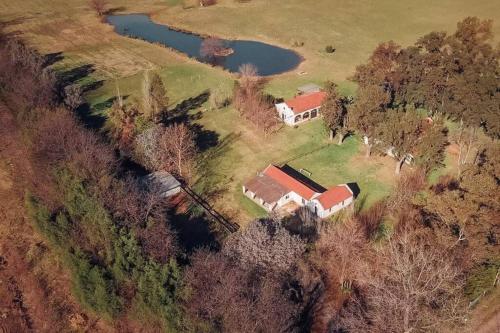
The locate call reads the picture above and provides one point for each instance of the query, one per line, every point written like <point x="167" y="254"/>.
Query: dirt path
<point x="490" y="326"/>
<point x="486" y="316"/>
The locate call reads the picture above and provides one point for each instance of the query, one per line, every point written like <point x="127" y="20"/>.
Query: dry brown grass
<point x="35" y="291"/>
<point x="73" y="28"/>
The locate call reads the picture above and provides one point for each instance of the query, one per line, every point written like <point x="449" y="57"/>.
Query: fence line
<point x="228" y="225"/>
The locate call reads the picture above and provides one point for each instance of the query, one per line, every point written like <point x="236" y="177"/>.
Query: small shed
<point x="164" y="182"/>
<point x="308" y="89"/>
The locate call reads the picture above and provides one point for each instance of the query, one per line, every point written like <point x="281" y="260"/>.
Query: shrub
<point x="205" y="3"/>
<point x="219" y="98"/>
<point x="329" y="49"/>
<point x="482" y="279"/>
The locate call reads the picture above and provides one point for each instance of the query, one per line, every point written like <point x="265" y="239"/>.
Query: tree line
<point x="448" y="77"/>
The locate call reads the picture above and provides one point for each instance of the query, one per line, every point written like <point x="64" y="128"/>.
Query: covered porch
<point x="306" y="115"/>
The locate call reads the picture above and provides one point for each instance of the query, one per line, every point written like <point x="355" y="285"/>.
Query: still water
<point x="268" y="59"/>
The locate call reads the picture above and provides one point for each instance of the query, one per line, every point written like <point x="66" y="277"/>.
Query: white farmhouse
<point x="276" y="187"/>
<point x="301" y="108"/>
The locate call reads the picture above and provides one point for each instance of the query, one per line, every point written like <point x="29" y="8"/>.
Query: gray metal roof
<point x="308" y="88"/>
<point x="163" y="180"/>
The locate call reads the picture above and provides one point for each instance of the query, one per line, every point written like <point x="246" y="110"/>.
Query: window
<point x="303" y="201"/>
<point x="297" y="118"/>
<point x="305" y="115"/>
<point x="314" y="113"/>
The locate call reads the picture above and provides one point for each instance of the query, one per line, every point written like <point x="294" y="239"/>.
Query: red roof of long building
<point x="306" y="102"/>
<point x="334" y="196"/>
<point x="289" y="182"/>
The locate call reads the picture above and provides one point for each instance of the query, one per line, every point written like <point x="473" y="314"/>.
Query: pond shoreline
<point x="298" y="59"/>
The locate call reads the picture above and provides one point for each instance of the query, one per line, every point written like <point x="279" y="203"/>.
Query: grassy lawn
<point x="182" y="81"/>
<point x="243" y="152"/>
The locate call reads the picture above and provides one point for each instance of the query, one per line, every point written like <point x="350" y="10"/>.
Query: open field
<point x="353" y="28"/>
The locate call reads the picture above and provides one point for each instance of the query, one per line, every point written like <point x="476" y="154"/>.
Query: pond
<point x="268" y="59"/>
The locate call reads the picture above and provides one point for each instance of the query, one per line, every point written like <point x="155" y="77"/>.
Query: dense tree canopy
<point x="334" y="111"/>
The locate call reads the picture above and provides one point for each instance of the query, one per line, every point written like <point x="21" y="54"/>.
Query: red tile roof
<point x="289" y="182"/>
<point x="334" y="196"/>
<point x="306" y="102"/>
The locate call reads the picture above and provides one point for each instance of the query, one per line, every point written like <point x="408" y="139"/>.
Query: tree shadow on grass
<point x="94" y="117"/>
<point x="52" y="58"/>
<point x="80" y="74"/>
<point x="181" y="113"/>
<point x="101" y="107"/>
<point x="90" y="119"/>
<point x="212" y="181"/>
<point x="193" y="232"/>
<point x="205" y="139"/>
<point x="74" y="74"/>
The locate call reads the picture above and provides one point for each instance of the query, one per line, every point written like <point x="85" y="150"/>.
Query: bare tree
<point x="341" y="256"/>
<point x="154" y="97"/>
<point x="99" y="6"/>
<point x="178" y="148"/>
<point x="147" y="147"/>
<point x="171" y="149"/>
<point x="371" y="219"/>
<point x="251" y="102"/>
<point x="416" y="287"/>
<point x="211" y="47"/>
<point x="226" y="297"/>
<point x="265" y="244"/>
<point x="248" y="71"/>
<point x="34" y="85"/>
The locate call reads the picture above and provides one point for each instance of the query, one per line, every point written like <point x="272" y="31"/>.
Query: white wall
<point x="285" y="113"/>
<point x="294" y="197"/>
<point x="289" y="116"/>
<point x="325" y="213"/>
<point x="171" y="192"/>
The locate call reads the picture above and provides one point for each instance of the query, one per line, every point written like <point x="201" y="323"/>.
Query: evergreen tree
<point x="158" y="95"/>
<point x="154" y="96"/>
